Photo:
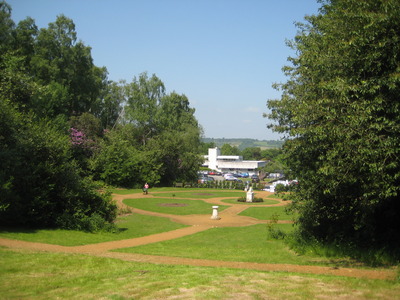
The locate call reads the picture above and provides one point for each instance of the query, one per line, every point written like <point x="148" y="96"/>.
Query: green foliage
<point x="47" y="167"/>
<point x="82" y="222"/>
<point x="6" y="26"/>
<point x="340" y="111"/>
<point x="227" y="149"/>
<point x="305" y="244"/>
<point x="255" y="199"/>
<point x="40" y="179"/>
<point x="120" y="163"/>
<point x="203" y="148"/>
<point x="275" y="232"/>
<point x="252" y="153"/>
<point x="281" y="188"/>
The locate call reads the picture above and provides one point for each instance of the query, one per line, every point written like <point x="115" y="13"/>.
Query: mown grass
<point x="189" y="207"/>
<point x="30" y="275"/>
<point x="130" y="226"/>
<point x="201" y="194"/>
<point x="245" y="244"/>
<point x="267" y="213"/>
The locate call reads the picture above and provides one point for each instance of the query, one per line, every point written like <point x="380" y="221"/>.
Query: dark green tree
<point x="164" y="124"/>
<point x="120" y="162"/>
<point x="270" y="154"/>
<point x="40" y="181"/>
<point x="252" y="153"/>
<point x="6" y="27"/>
<point x="109" y="106"/>
<point x="203" y="149"/>
<point x="143" y="96"/>
<point x="71" y="83"/>
<point x="227" y="149"/>
<point x="340" y="111"/>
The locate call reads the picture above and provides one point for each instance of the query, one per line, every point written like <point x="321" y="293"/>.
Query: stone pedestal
<point x="215" y="213"/>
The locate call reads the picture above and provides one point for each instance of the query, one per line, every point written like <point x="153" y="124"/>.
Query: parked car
<point x="228" y="175"/>
<point x="245" y="175"/>
<point x="204" y="179"/>
<point x="231" y="178"/>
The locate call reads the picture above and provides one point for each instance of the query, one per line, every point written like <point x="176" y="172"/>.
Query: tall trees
<point x="159" y="133"/>
<point x="63" y="124"/>
<point x="340" y="112"/>
<point x="6" y="27"/>
<point x="65" y="68"/>
<point x="40" y="180"/>
<point x="143" y="100"/>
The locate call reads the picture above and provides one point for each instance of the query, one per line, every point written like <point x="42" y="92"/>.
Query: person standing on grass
<point x="145" y="188"/>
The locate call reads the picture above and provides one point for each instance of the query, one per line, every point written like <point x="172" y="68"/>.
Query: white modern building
<point x="230" y="163"/>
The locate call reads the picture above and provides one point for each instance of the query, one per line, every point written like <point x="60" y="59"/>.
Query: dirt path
<point x="197" y="223"/>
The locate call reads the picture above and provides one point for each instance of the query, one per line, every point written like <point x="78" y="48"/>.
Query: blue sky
<point x="224" y="55"/>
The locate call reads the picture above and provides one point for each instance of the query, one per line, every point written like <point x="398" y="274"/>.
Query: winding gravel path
<point x="197" y="223"/>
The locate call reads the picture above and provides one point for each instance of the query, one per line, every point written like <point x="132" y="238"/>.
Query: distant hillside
<point x="244" y="143"/>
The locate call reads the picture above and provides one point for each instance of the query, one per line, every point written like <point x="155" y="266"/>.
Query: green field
<point x="267" y="213"/>
<point x="130" y="226"/>
<point x="30" y="274"/>
<point x="37" y="275"/>
<point x="178" y="206"/>
<point x="248" y="244"/>
<point x="201" y="194"/>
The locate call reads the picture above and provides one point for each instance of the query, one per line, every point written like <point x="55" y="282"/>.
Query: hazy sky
<point x="224" y="55"/>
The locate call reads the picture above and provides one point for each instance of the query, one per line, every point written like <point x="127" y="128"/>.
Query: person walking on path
<point x="145" y="189"/>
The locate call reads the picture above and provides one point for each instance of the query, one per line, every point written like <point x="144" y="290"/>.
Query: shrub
<point x="81" y="221"/>
<point x="43" y="183"/>
<point x="255" y="199"/>
<point x="273" y="231"/>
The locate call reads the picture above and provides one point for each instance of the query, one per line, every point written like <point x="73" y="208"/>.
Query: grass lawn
<point x="266" y="213"/>
<point x="188" y="207"/>
<point x="130" y="226"/>
<point x="135" y="191"/>
<point x="201" y="194"/>
<point x="246" y="244"/>
<point x="36" y="275"/>
<point x="27" y="274"/>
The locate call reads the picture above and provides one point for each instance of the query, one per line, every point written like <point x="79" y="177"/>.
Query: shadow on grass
<point x="20" y="229"/>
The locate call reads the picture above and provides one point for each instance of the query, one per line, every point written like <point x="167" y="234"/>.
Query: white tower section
<point x="213" y="153"/>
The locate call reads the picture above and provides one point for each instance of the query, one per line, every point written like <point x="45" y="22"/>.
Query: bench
<point x="179" y="184"/>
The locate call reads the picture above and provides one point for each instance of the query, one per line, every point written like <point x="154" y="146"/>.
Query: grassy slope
<point x="247" y="244"/>
<point x="130" y="226"/>
<point x="267" y="213"/>
<point x="29" y="275"/>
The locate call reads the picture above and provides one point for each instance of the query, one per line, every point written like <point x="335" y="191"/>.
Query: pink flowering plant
<point x="77" y="137"/>
<point x="82" y="146"/>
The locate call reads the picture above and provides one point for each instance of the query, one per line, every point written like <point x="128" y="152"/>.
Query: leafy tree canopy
<point x="63" y="124"/>
<point x="340" y="112"/>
